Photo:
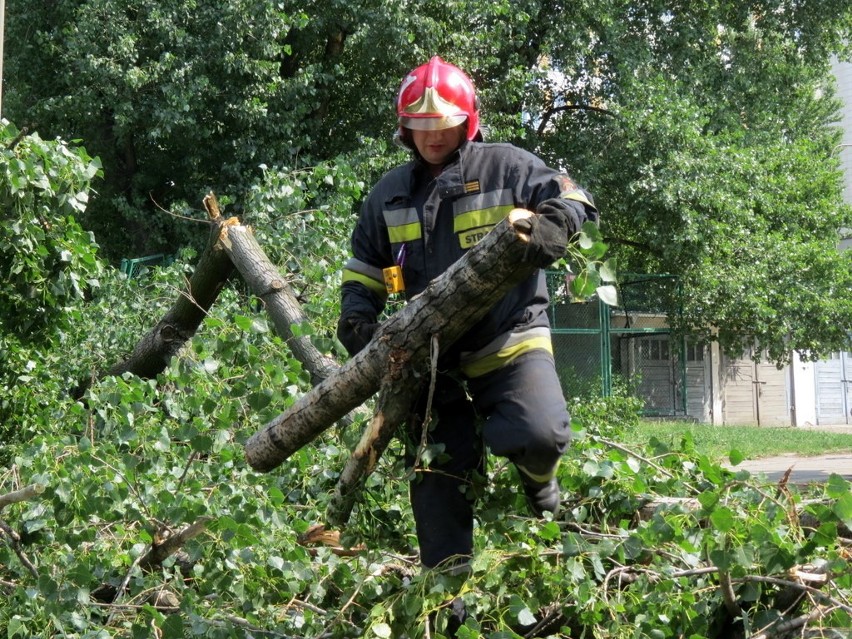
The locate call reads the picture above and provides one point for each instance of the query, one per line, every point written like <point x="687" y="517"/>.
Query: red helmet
<point x="437" y="95"/>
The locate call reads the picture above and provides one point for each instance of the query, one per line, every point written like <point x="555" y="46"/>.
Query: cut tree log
<point x="450" y="305"/>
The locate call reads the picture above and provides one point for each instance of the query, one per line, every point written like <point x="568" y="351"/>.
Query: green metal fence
<point x="133" y="267"/>
<point x="597" y="347"/>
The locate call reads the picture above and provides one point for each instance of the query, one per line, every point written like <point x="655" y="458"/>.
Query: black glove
<point x="548" y="231"/>
<point x="355" y="332"/>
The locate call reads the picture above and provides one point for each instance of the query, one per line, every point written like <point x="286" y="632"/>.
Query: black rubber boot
<point x="455" y="620"/>
<point x="542" y="497"/>
<point x="458" y="614"/>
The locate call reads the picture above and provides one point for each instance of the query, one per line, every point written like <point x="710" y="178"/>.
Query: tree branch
<point x="15" y="544"/>
<point x="161" y="551"/>
<point x="24" y="494"/>
<point x="568" y="107"/>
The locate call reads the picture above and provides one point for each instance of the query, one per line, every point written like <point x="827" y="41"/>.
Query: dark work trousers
<point x="524" y="418"/>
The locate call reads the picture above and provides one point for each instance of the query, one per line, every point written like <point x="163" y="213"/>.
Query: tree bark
<point x="152" y="353"/>
<point x="399" y="390"/>
<point x="264" y="280"/>
<point x="448" y="307"/>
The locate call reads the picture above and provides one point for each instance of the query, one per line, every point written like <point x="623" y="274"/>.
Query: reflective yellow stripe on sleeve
<point x="578" y="196"/>
<point x="505" y="355"/>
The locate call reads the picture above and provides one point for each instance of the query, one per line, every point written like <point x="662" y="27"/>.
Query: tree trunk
<point x="450" y="305"/>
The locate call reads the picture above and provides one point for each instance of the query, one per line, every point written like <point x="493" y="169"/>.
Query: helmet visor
<point x="433" y="123"/>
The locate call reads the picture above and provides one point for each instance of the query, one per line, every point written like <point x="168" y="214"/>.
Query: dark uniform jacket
<point x="425" y="224"/>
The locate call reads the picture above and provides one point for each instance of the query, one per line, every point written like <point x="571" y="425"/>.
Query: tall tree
<point x="705" y="132"/>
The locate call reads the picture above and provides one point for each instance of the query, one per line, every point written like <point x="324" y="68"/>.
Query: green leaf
<point x="382" y="630"/>
<point x="836" y="486"/>
<point x="723" y="519"/>
<point x="607" y="294"/>
<point x="608" y="271"/>
<point x="843" y="509"/>
<point x="550" y="531"/>
<point x="243" y="322"/>
<point x="735" y="457"/>
<point x="16" y="628"/>
<point x="585" y="284"/>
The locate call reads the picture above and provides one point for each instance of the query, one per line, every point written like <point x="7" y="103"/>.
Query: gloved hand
<point x="548" y="230"/>
<point x="355" y="332"/>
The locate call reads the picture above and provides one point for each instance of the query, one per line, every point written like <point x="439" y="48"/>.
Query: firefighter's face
<point x="436" y="146"/>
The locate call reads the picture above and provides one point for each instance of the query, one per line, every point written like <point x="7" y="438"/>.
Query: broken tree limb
<point x="24" y="494"/>
<point x="163" y="548"/>
<point x="448" y="307"/>
<point x="230" y="245"/>
<point x="153" y="352"/>
<point x="281" y="303"/>
<point x="399" y="390"/>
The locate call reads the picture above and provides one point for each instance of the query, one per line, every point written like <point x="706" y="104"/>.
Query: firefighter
<point x="498" y="383"/>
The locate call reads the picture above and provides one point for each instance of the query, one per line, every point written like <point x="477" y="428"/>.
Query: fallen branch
<point x="162" y="550"/>
<point x="24" y="494"/>
<point x="153" y="352"/>
<point x="267" y="284"/>
<point x="449" y="306"/>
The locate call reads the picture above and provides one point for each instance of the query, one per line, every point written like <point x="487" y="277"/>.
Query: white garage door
<point x="834" y="389"/>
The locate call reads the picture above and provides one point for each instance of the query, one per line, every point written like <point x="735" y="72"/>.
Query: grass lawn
<point x="752" y="441"/>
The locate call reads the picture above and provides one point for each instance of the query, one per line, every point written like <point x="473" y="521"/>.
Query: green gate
<point x="601" y="350"/>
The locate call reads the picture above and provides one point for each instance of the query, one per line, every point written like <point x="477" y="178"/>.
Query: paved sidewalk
<point x="805" y="469"/>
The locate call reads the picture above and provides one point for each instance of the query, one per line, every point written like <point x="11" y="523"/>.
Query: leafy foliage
<point x="704" y="133"/>
<point x="49" y="264"/>
<point x="48" y="261"/>
<point x="144" y="459"/>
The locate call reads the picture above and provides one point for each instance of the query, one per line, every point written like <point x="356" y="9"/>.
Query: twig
<point x="298" y="603"/>
<point x="427" y="417"/>
<point x="189" y="461"/>
<point x="130" y="485"/>
<point x="15" y="543"/>
<point x="645" y="460"/>
<point x="116" y="600"/>
<point x="177" y="215"/>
